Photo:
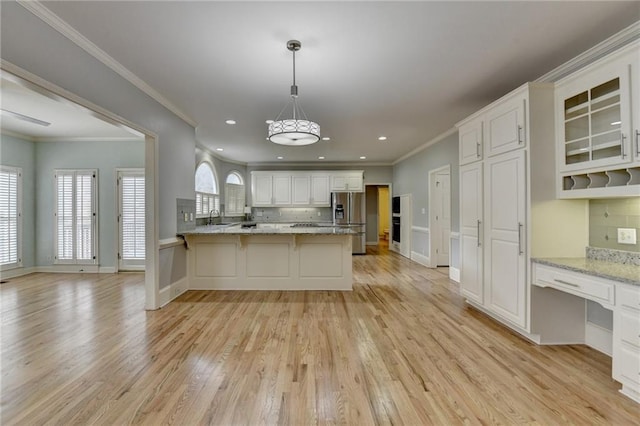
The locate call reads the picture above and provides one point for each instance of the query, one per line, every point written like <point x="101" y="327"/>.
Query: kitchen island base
<point x="269" y="262"/>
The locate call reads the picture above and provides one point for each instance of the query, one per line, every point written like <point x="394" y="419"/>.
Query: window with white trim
<point x="131" y="219"/>
<point x="10" y="217"/>
<point x="234" y="195"/>
<point x="75" y="216"/>
<point x="207" y="198"/>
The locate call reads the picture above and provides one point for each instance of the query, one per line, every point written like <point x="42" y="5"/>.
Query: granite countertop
<point x="267" y="229"/>
<point x="625" y="273"/>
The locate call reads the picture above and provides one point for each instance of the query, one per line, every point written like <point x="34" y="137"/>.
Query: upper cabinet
<point x="598" y="126"/>
<point x="470" y="136"/>
<point x="505" y="125"/>
<point x="347" y="181"/>
<point x="301" y="188"/>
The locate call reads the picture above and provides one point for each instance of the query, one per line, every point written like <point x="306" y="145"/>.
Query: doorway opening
<point x="378" y="212"/>
<point x="439" y="216"/>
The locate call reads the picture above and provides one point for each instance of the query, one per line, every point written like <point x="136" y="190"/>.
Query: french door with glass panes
<point x="131" y="219"/>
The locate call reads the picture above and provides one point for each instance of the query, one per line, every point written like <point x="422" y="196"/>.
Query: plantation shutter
<point x="75" y="216"/>
<point x="132" y="216"/>
<point x="10" y="178"/>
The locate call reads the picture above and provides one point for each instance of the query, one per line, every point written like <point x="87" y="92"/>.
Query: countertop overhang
<point x="628" y="274"/>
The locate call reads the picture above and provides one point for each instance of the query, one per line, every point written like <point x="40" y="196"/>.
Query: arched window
<point x="234" y="194"/>
<point x="207" y="199"/>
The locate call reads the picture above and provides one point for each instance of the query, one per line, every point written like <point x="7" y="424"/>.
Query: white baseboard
<point x="421" y="259"/>
<point x="598" y="338"/>
<point x="372" y="243"/>
<point x="172" y="291"/>
<point x="107" y="270"/>
<point x="17" y="272"/>
<point x="454" y="274"/>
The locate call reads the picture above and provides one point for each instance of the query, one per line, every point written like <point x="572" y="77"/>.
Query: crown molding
<point x="204" y="150"/>
<point x="354" y="165"/>
<point x="58" y="24"/>
<point x="18" y="135"/>
<point x="433" y="141"/>
<point x="613" y="43"/>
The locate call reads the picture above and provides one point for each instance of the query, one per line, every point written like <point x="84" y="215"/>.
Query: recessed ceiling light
<point x="269" y="122"/>
<point x="382" y="138"/>
<point x="321" y="158"/>
<point x="363" y="158"/>
<point x="279" y="158"/>
<point x="326" y="138"/>
<point x="220" y="149"/>
<point x="230" y="121"/>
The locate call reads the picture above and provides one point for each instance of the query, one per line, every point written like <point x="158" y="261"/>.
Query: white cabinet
<point x="320" y="192"/>
<point x="508" y="205"/>
<point x="347" y="181"/>
<point x="471" y="220"/>
<point x="261" y="189"/>
<point x="505" y="124"/>
<point x="470" y="137"/>
<point x="301" y="190"/>
<point x="310" y="189"/>
<point x="598" y="128"/>
<point x="270" y="189"/>
<point x="282" y="189"/>
<point x="505" y="247"/>
<point x="626" y="340"/>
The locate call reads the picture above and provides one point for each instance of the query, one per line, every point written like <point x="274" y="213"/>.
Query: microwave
<point x="395" y="205"/>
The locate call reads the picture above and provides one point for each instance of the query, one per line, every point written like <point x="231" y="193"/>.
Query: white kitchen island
<point x="269" y="257"/>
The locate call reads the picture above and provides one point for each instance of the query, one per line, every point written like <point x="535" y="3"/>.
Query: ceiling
<point x="67" y="121"/>
<point x="405" y="70"/>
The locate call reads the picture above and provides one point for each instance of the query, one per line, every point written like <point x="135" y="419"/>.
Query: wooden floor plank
<point x="401" y="348"/>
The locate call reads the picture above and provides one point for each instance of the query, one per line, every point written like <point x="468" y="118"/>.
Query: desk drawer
<point x="630" y="327"/>
<point x="629" y="297"/>
<point x="586" y="286"/>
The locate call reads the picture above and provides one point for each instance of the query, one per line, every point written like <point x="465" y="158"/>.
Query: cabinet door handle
<point x="520" y="249"/>
<point x="519" y="132"/>
<point x="637" y="142"/>
<point x="566" y="283"/>
<point x="478" y="235"/>
<point x="622" y="138"/>
<point x="478" y="149"/>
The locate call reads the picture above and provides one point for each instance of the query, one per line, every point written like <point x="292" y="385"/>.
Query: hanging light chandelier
<point x="299" y="130"/>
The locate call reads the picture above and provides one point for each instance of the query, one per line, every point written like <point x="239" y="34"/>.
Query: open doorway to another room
<point x="378" y="211"/>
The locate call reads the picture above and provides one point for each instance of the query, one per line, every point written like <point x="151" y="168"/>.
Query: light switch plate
<point x="626" y="235"/>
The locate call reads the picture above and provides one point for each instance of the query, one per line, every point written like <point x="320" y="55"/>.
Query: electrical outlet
<point x="626" y="235"/>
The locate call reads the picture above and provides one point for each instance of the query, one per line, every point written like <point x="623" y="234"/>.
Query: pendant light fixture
<point x="298" y="130"/>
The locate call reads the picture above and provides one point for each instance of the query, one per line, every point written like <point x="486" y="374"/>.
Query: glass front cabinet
<point x="598" y="128"/>
<point x="595" y="121"/>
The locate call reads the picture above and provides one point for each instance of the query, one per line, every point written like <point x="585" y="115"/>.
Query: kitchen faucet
<point x="210" y="216"/>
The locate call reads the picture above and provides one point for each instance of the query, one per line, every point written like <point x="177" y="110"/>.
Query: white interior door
<point x="131" y="220"/>
<point x="440" y="213"/>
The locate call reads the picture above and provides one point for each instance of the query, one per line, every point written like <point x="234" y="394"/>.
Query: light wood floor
<point x="402" y="348"/>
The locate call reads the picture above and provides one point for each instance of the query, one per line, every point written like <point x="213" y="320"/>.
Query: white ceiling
<point x="68" y="121"/>
<point x="405" y="70"/>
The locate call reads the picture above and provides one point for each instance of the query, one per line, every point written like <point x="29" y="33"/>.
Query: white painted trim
<point x="201" y="149"/>
<point x="170" y="242"/>
<point x="88" y="139"/>
<point x="172" y="291"/>
<point x="107" y="270"/>
<point x="372" y="243"/>
<point x="454" y="274"/>
<point x="17" y="135"/>
<point x="420" y="229"/>
<point x="17" y="272"/>
<point x="58" y="24"/>
<point x="599" y="338"/>
<point x="433" y="141"/>
<point x="454" y="235"/>
<point x="421" y="259"/>
<point x="68" y="269"/>
<point x="430" y="181"/>
<point x="613" y="43"/>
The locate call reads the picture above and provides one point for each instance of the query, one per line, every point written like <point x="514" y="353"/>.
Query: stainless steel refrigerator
<point x="349" y="212"/>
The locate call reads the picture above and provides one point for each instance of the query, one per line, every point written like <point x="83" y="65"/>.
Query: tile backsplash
<point x="292" y="214"/>
<point x="607" y="215"/>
